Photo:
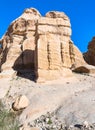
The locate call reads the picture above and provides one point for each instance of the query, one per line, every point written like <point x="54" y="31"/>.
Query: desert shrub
<point x="8" y="119"/>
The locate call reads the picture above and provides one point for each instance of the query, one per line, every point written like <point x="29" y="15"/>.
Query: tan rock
<point x="56" y="14"/>
<point x="85" y="69"/>
<point x="29" y="128"/>
<point x="34" y="128"/>
<point x="31" y="13"/>
<point x="20" y="103"/>
<point x="40" y="44"/>
<point x="18" y="27"/>
<point x="31" y="25"/>
<point x="76" y="56"/>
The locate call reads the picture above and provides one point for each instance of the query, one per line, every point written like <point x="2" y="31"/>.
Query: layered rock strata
<point x="40" y="44"/>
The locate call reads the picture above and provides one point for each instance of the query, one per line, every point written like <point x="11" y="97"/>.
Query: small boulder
<point x="21" y="102"/>
<point x="85" y="69"/>
<point x="86" y="124"/>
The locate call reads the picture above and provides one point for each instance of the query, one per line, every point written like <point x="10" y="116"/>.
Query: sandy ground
<point x="73" y="98"/>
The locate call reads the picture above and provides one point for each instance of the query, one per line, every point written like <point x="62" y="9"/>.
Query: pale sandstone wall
<point x="42" y="44"/>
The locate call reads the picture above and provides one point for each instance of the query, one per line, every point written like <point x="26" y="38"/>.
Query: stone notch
<point x="40" y="44"/>
<point x="89" y="56"/>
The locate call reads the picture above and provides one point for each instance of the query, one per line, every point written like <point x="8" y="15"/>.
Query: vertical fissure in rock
<point x="22" y="55"/>
<point x="48" y="54"/>
<point x="3" y="57"/>
<point x="71" y="53"/>
<point x="0" y="55"/>
<point x="61" y="52"/>
<point x="5" y="48"/>
<point x="36" y="51"/>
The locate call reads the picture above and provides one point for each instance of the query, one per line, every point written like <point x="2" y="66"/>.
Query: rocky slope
<point x="41" y="45"/>
<point x="66" y="102"/>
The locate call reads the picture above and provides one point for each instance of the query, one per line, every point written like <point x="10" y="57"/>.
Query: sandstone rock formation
<point x="20" y="103"/>
<point x="41" y="45"/>
<point x="89" y="56"/>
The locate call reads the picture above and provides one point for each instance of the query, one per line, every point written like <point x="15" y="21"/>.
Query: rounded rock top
<point x="57" y="14"/>
<point x="32" y="11"/>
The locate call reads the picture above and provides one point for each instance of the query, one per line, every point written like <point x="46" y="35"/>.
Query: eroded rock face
<point x="89" y="56"/>
<point x="42" y="44"/>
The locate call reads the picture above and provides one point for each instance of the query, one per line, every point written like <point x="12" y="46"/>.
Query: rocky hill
<point x="37" y="48"/>
<point x="40" y="45"/>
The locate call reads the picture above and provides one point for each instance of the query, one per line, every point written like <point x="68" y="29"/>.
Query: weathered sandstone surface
<point x="89" y="56"/>
<point x="40" y="45"/>
<point x="20" y="103"/>
<point x="72" y="99"/>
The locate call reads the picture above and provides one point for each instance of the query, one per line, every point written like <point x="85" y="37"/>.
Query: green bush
<point x="8" y="119"/>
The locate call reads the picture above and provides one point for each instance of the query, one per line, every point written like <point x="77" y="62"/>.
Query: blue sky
<point x="80" y="12"/>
